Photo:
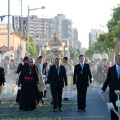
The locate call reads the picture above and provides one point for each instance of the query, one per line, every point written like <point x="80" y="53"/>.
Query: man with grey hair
<point x="57" y="79"/>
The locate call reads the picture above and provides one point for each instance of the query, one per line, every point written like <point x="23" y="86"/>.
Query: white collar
<point x="57" y="65"/>
<point x="82" y="63"/>
<point x="117" y="66"/>
<point x="23" y="63"/>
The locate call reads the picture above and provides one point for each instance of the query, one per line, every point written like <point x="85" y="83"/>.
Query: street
<point x="96" y="109"/>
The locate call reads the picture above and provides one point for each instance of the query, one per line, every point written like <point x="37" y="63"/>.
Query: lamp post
<point x="28" y="24"/>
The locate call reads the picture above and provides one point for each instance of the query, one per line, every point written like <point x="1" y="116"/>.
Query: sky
<point x="85" y="14"/>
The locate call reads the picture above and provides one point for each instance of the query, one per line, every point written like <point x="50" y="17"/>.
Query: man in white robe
<point x="67" y="93"/>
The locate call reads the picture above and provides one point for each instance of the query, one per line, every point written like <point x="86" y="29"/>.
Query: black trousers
<point x="45" y="91"/>
<point x="57" y="96"/>
<point x="18" y="96"/>
<point x="81" y="96"/>
<point x="113" y="115"/>
<point x="39" y="96"/>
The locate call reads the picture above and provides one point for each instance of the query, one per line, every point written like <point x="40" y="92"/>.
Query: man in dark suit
<point x="82" y="76"/>
<point x="2" y="80"/>
<point x="57" y="79"/>
<point x="113" y="80"/>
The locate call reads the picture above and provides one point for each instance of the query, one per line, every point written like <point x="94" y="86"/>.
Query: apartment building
<point x="67" y="29"/>
<point x="38" y="27"/>
<point x="57" y="24"/>
<point x="75" y="37"/>
<point x="93" y="35"/>
<point x="79" y="45"/>
<point x="44" y="28"/>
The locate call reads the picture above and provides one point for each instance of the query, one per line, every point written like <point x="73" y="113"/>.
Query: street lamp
<point x="28" y="24"/>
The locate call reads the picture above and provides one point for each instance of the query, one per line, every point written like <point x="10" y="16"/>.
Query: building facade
<point x="67" y="29"/>
<point x="17" y="43"/>
<point x="93" y="35"/>
<point x="57" y="24"/>
<point x="79" y="45"/>
<point x="38" y="27"/>
<point x="44" y="28"/>
<point x="75" y="38"/>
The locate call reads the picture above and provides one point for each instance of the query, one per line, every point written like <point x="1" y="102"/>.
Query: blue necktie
<point x="118" y="70"/>
<point x="82" y="66"/>
<point x="58" y="68"/>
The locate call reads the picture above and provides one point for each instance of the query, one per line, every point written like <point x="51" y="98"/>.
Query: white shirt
<point x="41" y="67"/>
<point x="96" y="68"/>
<point x="82" y="64"/>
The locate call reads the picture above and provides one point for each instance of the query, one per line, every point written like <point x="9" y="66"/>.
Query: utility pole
<point x="8" y="24"/>
<point x="28" y="32"/>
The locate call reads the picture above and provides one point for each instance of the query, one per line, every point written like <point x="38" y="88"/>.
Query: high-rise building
<point x="75" y="37"/>
<point x="67" y="29"/>
<point x="93" y="35"/>
<point x="79" y="45"/>
<point x="57" y="24"/>
<point x="37" y="27"/>
<point x="44" y="28"/>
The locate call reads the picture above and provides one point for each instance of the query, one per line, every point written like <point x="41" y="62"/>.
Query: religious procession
<point x="34" y="76"/>
<point x="54" y="78"/>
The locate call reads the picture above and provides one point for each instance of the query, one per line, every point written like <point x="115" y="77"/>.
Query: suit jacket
<point x="82" y="76"/>
<point x="54" y="78"/>
<point x="112" y="80"/>
<point x="44" y="69"/>
<point x="20" y="67"/>
<point x="2" y="76"/>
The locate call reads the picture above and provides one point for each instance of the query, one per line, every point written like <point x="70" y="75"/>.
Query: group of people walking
<point x="34" y="77"/>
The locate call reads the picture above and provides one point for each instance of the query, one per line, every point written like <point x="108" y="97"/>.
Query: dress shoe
<point x="51" y="103"/>
<point x="60" y="109"/>
<point x="79" y="110"/>
<point x="65" y="98"/>
<point x="42" y="101"/>
<point x="44" y="98"/>
<point x="54" y="110"/>
<point x="84" y="110"/>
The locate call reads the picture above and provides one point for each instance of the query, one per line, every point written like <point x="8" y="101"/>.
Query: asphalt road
<point x="96" y="109"/>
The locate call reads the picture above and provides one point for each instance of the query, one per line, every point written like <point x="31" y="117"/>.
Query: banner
<point x="16" y="22"/>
